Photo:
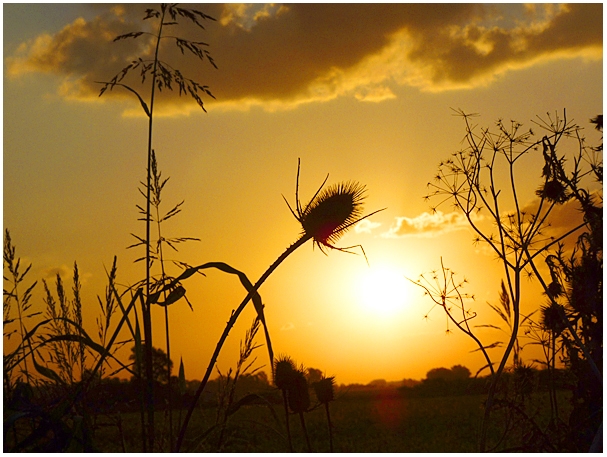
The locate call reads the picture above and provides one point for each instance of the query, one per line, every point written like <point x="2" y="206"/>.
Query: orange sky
<point x="362" y="92"/>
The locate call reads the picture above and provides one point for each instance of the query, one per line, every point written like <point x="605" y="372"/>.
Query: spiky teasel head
<point x="551" y="318"/>
<point x="330" y="212"/>
<point x="553" y="191"/>
<point x="284" y="372"/>
<point x="298" y="393"/>
<point x="325" y="389"/>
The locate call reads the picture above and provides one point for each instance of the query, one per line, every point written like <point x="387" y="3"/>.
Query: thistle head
<point x="330" y="212"/>
<point x="325" y="389"/>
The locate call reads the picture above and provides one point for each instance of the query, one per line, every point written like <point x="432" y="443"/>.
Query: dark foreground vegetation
<point x="434" y="415"/>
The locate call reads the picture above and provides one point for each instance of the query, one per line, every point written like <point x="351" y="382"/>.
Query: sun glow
<point x="383" y="291"/>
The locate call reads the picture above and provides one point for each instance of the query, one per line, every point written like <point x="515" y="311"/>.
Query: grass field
<point x="375" y="421"/>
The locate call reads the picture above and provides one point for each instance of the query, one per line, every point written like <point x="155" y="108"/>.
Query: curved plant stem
<point x="301" y="241"/>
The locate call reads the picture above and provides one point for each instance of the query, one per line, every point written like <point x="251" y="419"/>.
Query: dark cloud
<point x="304" y="52"/>
<point x="477" y="50"/>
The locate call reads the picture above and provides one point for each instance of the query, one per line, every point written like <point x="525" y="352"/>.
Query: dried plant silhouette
<point x="298" y="398"/>
<point x="325" y="393"/>
<point x="61" y="337"/>
<point x="226" y="403"/>
<point x="162" y="295"/>
<point x="161" y="76"/>
<point x="284" y="374"/>
<point x="445" y="292"/>
<point x="22" y="301"/>
<point x="522" y="236"/>
<point x="327" y="217"/>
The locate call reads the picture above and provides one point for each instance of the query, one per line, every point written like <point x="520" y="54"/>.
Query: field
<point x="372" y="421"/>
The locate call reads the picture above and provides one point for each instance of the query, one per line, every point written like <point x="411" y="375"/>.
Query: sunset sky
<point x="359" y="92"/>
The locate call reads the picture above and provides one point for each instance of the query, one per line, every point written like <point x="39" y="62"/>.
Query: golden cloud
<point x="427" y="224"/>
<point x="282" y="56"/>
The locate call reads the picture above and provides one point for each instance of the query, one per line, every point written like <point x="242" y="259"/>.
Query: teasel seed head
<point x="325" y="389"/>
<point x="328" y="216"/>
<point x="553" y="191"/>
<point x="284" y="372"/>
<point x="551" y="318"/>
<point x="298" y="394"/>
<point x="330" y="212"/>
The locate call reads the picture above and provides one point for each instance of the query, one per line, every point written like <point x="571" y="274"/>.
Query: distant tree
<point x="313" y="375"/>
<point x="439" y="373"/>
<point x="160" y="362"/>
<point x="262" y="377"/>
<point x="408" y="382"/>
<point x="378" y="383"/>
<point x="460" y="372"/>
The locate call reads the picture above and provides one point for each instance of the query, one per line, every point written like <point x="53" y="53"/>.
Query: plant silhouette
<point x="326" y="217"/>
<point x="163" y="76"/>
<point x="519" y="238"/>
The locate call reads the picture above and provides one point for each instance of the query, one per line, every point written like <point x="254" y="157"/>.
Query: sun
<point x="383" y="291"/>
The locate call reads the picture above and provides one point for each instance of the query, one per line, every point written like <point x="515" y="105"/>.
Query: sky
<point x="359" y="92"/>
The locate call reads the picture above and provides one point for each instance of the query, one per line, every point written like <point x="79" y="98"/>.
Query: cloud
<point x="288" y="326"/>
<point x="563" y="218"/>
<point x="366" y="226"/>
<point x="50" y="274"/>
<point x="283" y="56"/>
<point x="427" y="224"/>
<point x="66" y="274"/>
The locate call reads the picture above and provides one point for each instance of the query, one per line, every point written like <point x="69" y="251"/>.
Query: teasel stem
<point x="284" y="400"/>
<point x="284" y="371"/>
<point x="300" y="242"/>
<point x="324" y="390"/>
<point x="305" y="430"/>
<point x="330" y="426"/>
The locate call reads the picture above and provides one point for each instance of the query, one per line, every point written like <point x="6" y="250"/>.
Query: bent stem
<point x="301" y="241"/>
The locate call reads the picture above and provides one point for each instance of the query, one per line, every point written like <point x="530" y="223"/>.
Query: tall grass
<point x="163" y="75"/>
